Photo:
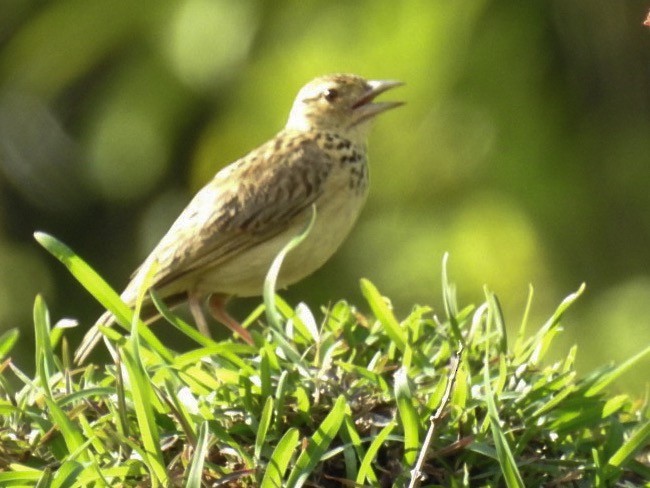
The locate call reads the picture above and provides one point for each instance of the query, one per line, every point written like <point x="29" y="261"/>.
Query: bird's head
<point x="341" y="102"/>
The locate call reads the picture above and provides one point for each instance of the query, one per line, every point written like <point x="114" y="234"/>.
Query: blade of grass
<point x="98" y="288"/>
<point x="8" y="341"/>
<point x="280" y="395"/>
<point x="637" y="441"/>
<point x="179" y="324"/>
<point x="318" y="444"/>
<point x="272" y="314"/>
<point x="495" y="315"/>
<point x="134" y="340"/>
<point x="505" y="457"/>
<point x="384" y="314"/>
<point x="20" y="478"/>
<point x="141" y="395"/>
<point x="605" y="380"/>
<point x="524" y="322"/>
<point x="72" y="436"/>
<point x="44" y="354"/>
<point x="46" y="479"/>
<point x="408" y="416"/>
<point x="365" y="470"/>
<point x="538" y="345"/>
<point x="353" y="450"/>
<point x="449" y="300"/>
<point x="280" y="459"/>
<point x="195" y="474"/>
<point x="66" y="475"/>
<point x="263" y="426"/>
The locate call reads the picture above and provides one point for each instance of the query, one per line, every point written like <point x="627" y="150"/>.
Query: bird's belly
<point x="244" y="275"/>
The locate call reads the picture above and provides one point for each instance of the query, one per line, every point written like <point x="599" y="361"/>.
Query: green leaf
<point x="449" y="300"/>
<point x="263" y="427"/>
<point x="20" y="478"/>
<point x="141" y="395"/>
<point x="318" y="444"/>
<point x="46" y="366"/>
<point x="44" y="353"/>
<point x="538" y="345"/>
<point x="384" y="314"/>
<point x="637" y="441"/>
<point x="504" y="453"/>
<point x="66" y="475"/>
<point x="524" y="322"/>
<point x="195" y="475"/>
<point x="280" y="459"/>
<point x="272" y="276"/>
<point x="99" y="289"/>
<point x="46" y="479"/>
<point x="365" y="470"/>
<point x="8" y="341"/>
<point x="495" y="314"/>
<point x="408" y="417"/>
<point x="179" y="324"/>
<point x="605" y="380"/>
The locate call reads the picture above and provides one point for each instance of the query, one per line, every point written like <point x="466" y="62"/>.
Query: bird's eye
<point x="330" y="94"/>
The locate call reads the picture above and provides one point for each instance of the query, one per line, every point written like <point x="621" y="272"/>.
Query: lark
<point x="223" y="243"/>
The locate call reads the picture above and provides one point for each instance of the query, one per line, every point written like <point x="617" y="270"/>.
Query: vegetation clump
<point x="338" y="398"/>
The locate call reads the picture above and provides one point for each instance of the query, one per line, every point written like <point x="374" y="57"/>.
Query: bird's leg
<point x="217" y="307"/>
<point x="194" y="302"/>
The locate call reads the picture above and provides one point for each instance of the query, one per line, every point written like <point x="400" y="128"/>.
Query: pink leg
<point x="194" y="302"/>
<point x="217" y="306"/>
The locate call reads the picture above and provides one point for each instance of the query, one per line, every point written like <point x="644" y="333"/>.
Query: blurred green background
<point x="523" y="150"/>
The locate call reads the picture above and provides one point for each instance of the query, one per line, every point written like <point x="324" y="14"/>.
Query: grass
<point x="332" y="398"/>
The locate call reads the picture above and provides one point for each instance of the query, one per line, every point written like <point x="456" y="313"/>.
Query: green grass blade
<point x="504" y="453"/>
<point x="353" y="451"/>
<point x="66" y="475"/>
<point x="45" y="366"/>
<point x="365" y="469"/>
<point x="524" y="322"/>
<point x="98" y="288"/>
<point x="195" y="475"/>
<point x="384" y="314"/>
<point x="280" y="459"/>
<point x="46" y="479"/>
<point x="141" y="395"/>
<point x="495" y="315"/>
<point x="21" y="478"/>
<point x="180" y="324"/>
<point x="135" y="321"/>
<point x="636" y="442"/>
<point x="44" y="353"/>
<point x="72" y="436"/>
<point x="605" y="380"/>
<point x="318" y="444"/>
<point x="292" y="354"/>
<point x="8" y="341"/>
<point x="449" y="300"/>
<point x="263" y="427"/>
<point x="541" y="341"/>
<point x="272" y="276"/>
<point x="280" y="395"/>
<point x="180" y="412"/>
<point x="408" y="417"/>
<point x="87" y="276"/>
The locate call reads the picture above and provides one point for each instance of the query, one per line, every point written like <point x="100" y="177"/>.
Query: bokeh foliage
<point x="523" y="149"/>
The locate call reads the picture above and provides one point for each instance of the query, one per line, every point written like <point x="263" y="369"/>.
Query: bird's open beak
<point x="365" y="107"/>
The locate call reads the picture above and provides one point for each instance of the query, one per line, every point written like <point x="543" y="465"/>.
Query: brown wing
<point x="248" y="202"/>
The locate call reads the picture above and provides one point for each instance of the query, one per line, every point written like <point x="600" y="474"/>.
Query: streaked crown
<point x="340" y="102"/>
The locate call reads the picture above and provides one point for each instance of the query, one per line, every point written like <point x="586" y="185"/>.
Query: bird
<point x="224" y="241"/>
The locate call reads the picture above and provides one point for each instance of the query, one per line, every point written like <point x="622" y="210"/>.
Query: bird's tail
<point x="92" y="337"/>
<point x="148" y="313"/>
